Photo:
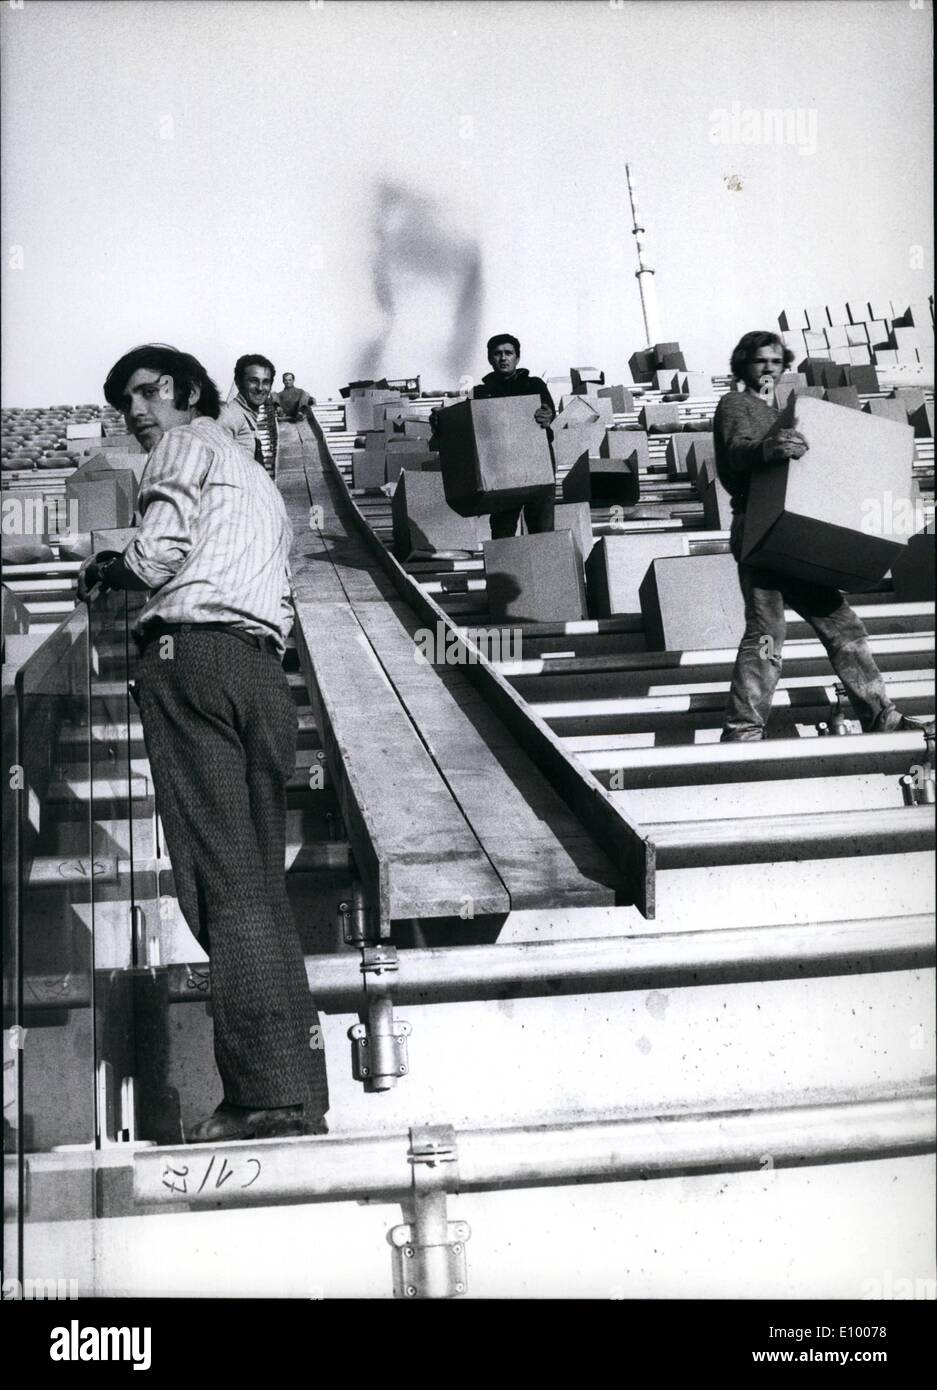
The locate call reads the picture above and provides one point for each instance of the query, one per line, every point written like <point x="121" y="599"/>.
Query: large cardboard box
<point x="887" y="408"/>
<point x="913" y="573"/>
<point x="586" y="378"/>
<point x="618" y="564"/>
<point x="813" y="368"/>
<point x="717" y="504"/>
<point x="817" y="319"/>
<point x="368" y="469"/>
<point x="625" y="444"/>
<point x="576" y="518"/>
<point x="701" y="450"/>
<point x="602" y="481"/>
<point x="675" y="360"/>
<point x="860" y="356"/>
<point x="115" y="461"/>
<point x="878" y="333"/>
<point x="422" y="460"/>
<point x="857" y="334"/>
<point x="662" y="351"/>
<point x="102" y="501"/>
<point x="792" y="320"/>
<point x="84" y="429"/>
<point x="641" y="366"/>
<point x="14" y="615"/>
<point x="423" y="520"/>
<point x="783" y="392"/>
<point x="666" y="379"/>
<point x="678" y="448"/>
<point x="366" y="409"/>
<point x="837" y="314"/>
<point x="843" y="395"/>
<point x="659" y="418"/>
<point x="581" y="410"/>
<point x="535" y="578"/>
<point x="885" y="357"/>
<point x="695" y="384"/>
<point x="493" y="454"/>
<point x="692" y="603"/>
<point x="815" y="343"/>
<point x="863" y="377"/>
<point x="858" y="310"/>
<point x="574" y="438"/>
<point x="621" y="398"/>
<point x="836" y="336"/>
<point x="821" y="517"/>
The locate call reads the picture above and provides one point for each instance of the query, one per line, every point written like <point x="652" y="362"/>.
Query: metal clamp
<point x="428" y="1251"/>
<point x="379" y="1043"/>
<point x="357" y="919"/>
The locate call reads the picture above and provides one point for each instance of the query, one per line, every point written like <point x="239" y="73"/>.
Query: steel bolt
<point x="460" y="1288"/>
<point x="408" y="1251"/>
<point x="410" y="1291"/>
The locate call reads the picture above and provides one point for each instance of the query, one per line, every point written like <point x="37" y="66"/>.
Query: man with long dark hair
<point x="220" y="727"/>
<point x="743" y="420"/>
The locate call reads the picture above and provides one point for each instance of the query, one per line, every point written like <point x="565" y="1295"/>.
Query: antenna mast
<point x="644" y="273"/>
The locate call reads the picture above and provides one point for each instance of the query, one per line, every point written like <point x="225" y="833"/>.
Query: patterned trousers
<point x="758" y="664"/>
<point x="220" y="728"/>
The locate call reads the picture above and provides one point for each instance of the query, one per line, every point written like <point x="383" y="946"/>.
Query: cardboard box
<point x="813" y="368"/>
<point x="860" y="356"/>
<point x="584" y="377"/>
<point x="809" y="517"/>
<point x="678" y="447"/>
<point x="717" y="504"/>
<point x="783" y="393"/>
<point x="576" y="518"/>
<point x="914" y="571"/>
<point x="116" y="461"/>
<point x="834" y="375"/>
<point x="887" y="408"/>
<point x="493" y="454"/>
<point x="836" y="337"/>
<point x="838" y="314"/>
<point x="857" y="334"/>
<point x="368" y="469"/>
<point x="675" y="360"/>
<point x="843" y="395"/>
<point x="863" y="377"/>
<point x="659" y="418"/>
<point x="701" y="450"/>
<point x="114" y="538"/>
<point x="880" y="309"/>
<point x="423" y="461"/>
<point x="663" y="350"/>
<point x="692" y="603"/>
<point x="793" y="379"/>
<point x="817" y="319"/>
<point x="535" y="578"/>
<point x="911" y="397"/>
<point x="641" y="365"/>
<point x="375" y="441"/>
<point x="603" y="481"/>
<point x="695" y="384"/>
<point x="580" y="410"/>
<point x="792" y="320"/>
<point x="878" y="333"/>
<point x="621" y="398"/>
<point x="885" y="357"/>
<point x="841" y="355"/>
<point x="858" y="310"/>
<point x="618" y="564"/>
<point x="423" y="520"/>
<point x="815" y="343"/>
<point x="103" y="501"/>
<point x="625" y="444"/>
<point x="84" y="429"/>
<point x="573" y="439"/>
<point x="666" y="380"/>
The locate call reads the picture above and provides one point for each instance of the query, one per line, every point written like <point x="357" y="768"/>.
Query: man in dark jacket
<point x="743" y="420"/>
<point x="507" y="379"/>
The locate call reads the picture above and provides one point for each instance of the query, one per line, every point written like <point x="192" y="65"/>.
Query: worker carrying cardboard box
<point x="508" y="379"/>
<point x="744" y="419"/>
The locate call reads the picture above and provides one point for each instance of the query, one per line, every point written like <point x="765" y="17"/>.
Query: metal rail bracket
<point x="428" y="1251"/>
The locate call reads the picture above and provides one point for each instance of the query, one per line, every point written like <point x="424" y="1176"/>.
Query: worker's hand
<point x="786" y="444"/>
<point x="544" y="416"/>
<point x="89" y="577"/>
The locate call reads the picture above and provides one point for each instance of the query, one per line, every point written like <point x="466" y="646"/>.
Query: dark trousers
<point x="538" y="516"/>
<point x="758" y="664"/>
<point x="220" y="727"/>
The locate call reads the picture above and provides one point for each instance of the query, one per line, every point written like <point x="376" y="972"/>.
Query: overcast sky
<point x="209" y="174"/>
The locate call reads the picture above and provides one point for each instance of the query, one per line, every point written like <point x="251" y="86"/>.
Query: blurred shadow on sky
<point x="427" y="282"/>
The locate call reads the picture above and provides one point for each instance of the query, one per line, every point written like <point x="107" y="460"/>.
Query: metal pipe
<point x="590" y="965"/>
<point x="645" y="273"/>
<point x="312" y="1170"/>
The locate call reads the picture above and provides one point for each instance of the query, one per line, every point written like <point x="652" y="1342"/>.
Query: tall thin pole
<point x="644" y="273"/>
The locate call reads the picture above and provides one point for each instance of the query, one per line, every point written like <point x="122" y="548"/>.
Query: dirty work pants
<point x="758" y="664"/>
<point x="220" y="728"/>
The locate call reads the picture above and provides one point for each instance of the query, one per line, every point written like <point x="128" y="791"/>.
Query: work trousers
<point x="758" y="664"/>
<point x="220" y="728"/>
<point x="538" y="516"/>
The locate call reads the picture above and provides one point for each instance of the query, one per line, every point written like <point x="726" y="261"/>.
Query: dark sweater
<point x="741" y="422"/>
<point x="521" y="383"/>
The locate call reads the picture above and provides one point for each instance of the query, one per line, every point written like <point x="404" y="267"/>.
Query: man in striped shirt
<point x="251" y="418"/>
<point x="220" y="727"/>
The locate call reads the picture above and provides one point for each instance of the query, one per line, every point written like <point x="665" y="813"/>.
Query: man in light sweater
<point x="220" y="727"/>
<point x="743" y="420"/>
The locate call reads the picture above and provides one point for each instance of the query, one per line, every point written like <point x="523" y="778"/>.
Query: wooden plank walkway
<point x="448" y="817"/>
